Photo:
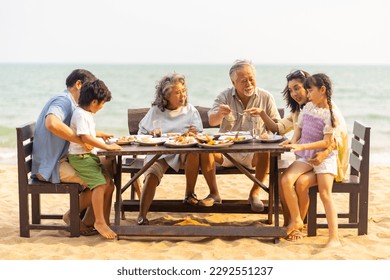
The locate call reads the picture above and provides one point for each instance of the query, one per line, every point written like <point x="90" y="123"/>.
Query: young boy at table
<point x="93" y="96"/>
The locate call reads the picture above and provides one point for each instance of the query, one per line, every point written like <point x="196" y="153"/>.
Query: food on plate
<point x="270" y="138"/>
<point x="203" y="138"/>
<point x="235" y="139"/>
<point x="146" y="139"/>
<point x="265" y="137"/>
<point x="209" y="140"/>
<point x="184" y="140"/>
<point x="126" y="138"/>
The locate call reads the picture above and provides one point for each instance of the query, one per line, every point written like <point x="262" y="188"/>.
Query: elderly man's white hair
<point x="238" y="64"/>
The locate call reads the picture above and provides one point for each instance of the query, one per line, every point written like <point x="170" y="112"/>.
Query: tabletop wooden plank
<point x="251" y="147"/>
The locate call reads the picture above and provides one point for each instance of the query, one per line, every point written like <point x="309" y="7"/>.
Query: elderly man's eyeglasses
<point x="296" y="74"/>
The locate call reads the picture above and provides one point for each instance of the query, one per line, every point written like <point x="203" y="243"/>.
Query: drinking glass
<point x="157" y="128"/>
<point x="255" y="130"/>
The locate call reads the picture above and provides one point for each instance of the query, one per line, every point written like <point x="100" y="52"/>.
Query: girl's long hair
<point x="319" y="80"/>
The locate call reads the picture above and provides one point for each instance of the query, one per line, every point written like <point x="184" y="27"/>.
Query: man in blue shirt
<point x="52" y="136"/>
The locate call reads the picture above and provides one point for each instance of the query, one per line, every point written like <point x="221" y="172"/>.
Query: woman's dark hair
<point x="94" y="90"/>
<point x="319" y="80"/>
<point x="301" y="76"/>
<point x="79" y="74"/>
<point x="164" y="88"/>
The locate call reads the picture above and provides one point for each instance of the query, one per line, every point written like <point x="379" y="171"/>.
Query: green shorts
<point x="89" y="168"/>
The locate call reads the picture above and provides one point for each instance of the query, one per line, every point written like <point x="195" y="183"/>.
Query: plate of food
<point x="241" y="139"/>
<point x="125" y="140"/>
<point x="149" y="141"/>
<point x="216" y="144"/>
<point x="269" y="138"/>
<point x="181" y="142"/>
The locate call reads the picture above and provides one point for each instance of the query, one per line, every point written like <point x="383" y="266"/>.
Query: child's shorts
<point x="89" y="168"/>
<point x="328" y="165"/>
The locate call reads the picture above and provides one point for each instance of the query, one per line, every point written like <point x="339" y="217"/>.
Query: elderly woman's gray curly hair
<point x="164" y="88"/>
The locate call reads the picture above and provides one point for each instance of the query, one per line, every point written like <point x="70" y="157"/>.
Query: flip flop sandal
<point x="256" y="204"/>
<point x="295" y="235"/>
<point x="191" y="199"/>
<point x="210" y="200"/>
<point x="89" y="232"/>
<point x="142" y="221"/>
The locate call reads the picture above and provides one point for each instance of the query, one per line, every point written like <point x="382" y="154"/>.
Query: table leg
<point x="274" y="191"/>
<point x="246" y="172"/>
<point x="118" y="184"/>
<point x="139" y="173"/>
<point x="118" y="194"/>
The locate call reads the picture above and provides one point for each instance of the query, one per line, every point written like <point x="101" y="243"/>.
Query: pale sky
<point x="195" y="31"/>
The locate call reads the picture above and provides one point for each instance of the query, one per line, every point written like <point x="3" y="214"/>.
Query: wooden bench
<point x="33" y="187"/>
<point x="133" y="165"/>
<point x="356" y="186"/>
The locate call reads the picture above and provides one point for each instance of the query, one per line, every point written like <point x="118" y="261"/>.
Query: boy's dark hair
<point x="94" y="90"/>
<point x="79" y="74"/>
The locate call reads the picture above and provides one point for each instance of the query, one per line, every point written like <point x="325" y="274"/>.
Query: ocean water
<point x="361" y="92"/>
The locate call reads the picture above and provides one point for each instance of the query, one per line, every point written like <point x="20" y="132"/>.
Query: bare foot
<point x="105" y="230"/>
<point x="333" y="243"/>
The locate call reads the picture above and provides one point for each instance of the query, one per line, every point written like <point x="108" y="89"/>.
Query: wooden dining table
<point x="253" y="146"/>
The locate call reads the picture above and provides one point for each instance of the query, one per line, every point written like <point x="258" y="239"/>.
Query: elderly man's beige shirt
<point x="236" y="122"/>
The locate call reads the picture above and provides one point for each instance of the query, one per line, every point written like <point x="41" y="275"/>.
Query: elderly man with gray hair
<point x="228" y="111"/>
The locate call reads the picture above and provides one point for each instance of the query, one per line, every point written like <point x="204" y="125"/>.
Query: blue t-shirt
<point x="48" y="149"/>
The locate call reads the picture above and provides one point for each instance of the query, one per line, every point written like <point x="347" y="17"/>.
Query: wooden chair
<point x="356" y="186"/>
<point x="33" y="187"/>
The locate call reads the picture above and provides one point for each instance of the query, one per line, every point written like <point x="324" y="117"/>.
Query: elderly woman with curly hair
<point x="171" y="107"/>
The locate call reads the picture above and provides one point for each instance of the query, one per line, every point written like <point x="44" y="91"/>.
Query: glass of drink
<point x="157" y="128"/>
<point x="255" y="130"/>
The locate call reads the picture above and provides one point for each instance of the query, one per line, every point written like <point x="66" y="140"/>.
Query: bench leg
<point x="312" y="213"/>
<point x="74" y="213"/>
<point x="23" y="213"/>
<point x="36" y="208"/>
<point x="353" y="207"/>
<point x="363" y="212"/>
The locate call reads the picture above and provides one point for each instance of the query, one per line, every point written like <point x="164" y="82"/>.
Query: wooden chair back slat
<point x="357" y="147"/>
<point x="134" y="116"/>
<point x="203" y="111"/>
<point x="359" y="130"/>
<point x="355" y="163"/>
<point x="24" y="136"/>
<point x="28" y="156"/>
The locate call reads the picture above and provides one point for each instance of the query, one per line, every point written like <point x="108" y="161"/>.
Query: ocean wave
<point x="8" y="156"/>
<point x="7" y="137"/>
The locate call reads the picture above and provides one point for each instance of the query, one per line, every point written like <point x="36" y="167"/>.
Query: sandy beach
<point x="56" y="245"/>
